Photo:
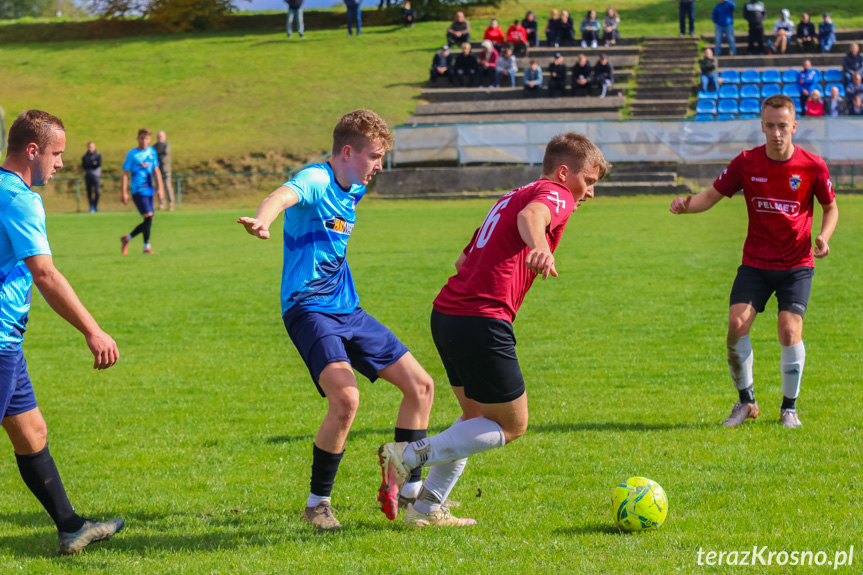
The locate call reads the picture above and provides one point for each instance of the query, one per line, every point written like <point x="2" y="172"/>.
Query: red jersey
<point x="493" y="279"/>
<point x="780" y="201"/>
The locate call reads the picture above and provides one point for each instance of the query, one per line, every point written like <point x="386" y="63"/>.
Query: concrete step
<point x="529" y="105"/>
<point x="639" y="103"/>
<point x="441" y="95"/>
<point x="512" y="117"/>
<point x="650" y="115"/>
<point x="614" y="176"/>
<point x="645" y="168"/>
<point x="673" y="94"/>
<point x="641" y="188"/>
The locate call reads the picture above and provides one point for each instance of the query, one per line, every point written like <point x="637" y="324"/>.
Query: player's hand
<point x="104" y="350"/>
<point x="822" y="248"/>
<point x="680" y="205"/>
<point x="541" y="261"/>
<point x="124" y="198"/>
<point x="255" y="227"/>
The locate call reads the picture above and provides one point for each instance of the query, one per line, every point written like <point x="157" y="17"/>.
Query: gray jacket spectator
<point x="459" y="31"/>
<point x="603" y="74"/>
<point x="163" y="152"/>
<point x="441" y="65"/>
<point x="834" y="105"/>
<point x="855" y="88"/>
<point x="506" y="66"/>
<point x="610" y="34"/>
<point x="852" y="63"/>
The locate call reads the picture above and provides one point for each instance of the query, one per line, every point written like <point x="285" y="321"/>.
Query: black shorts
<point x="478" y="354"/>
<point x="754" y="286"/>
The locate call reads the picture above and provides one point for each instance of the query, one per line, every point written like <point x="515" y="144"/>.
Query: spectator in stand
<point x="567" y="29"/>
<point x="723" y="24"/>
<point x="855" y="88"/>
<point x="530" y="24"/>
<point x="709" y="70"/>
<point x="814" y="105"/>
<point x="441" y="65"/>
<point x="355" y="16"/>
<point x="506" y="66"/>
<point x="856" y="107"/>
<point x="466" y="67"/>
<point x="533" y="80"/>
<point x="590" y="28"/>
<point x="783" y="28"/>
<point x="686" y="10"/>
<point x="459" y="31"/>
<point x="409" y="15"/>
<point x="852" y="63"/>
<point x="517" y="36"/>
<point x="582" y="74"/>
<point x="755" y="13"/>
<point x="488" y="57"/>
<point x="835" y="106"/>
<point x="92" y="164"/>
<point x="295" y="12"/>
<point x="494" y="34"/>
<point x="806" y="81"/>
<point x="552" y="30"/>
<point x="826" y="33"/>
<point x="805" y="37"/>
<point x="557" y="76"/>
<point x="610" y="33"/>
<point x="603" y="74"/>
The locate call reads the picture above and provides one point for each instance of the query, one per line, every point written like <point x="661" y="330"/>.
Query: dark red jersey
<point x="493" y="279"/>
<point x="780" y="199"/>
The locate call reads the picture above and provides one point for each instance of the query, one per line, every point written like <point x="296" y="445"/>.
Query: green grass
<point x="201" y="435"/>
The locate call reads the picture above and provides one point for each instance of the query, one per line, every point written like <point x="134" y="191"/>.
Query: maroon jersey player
<point x="780" y="182"/>
<point x="472" y="326"/>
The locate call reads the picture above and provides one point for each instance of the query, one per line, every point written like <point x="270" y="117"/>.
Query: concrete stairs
<point x="664" y="79"/>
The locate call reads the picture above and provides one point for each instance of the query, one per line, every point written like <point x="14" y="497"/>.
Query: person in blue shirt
<point x="723" y="21"/>
<point x="826" y="33"/>
<point x="320" y="307"/>
<point x="36" y="144"/>
<point x="807" y="80"/>
<point x="139" y="172"/>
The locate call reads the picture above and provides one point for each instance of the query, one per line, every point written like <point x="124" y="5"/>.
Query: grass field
<point x="201" y="435"/>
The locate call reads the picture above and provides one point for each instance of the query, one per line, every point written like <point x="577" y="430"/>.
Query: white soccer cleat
<point x="440" y="518"/>
<point x="395" y="474"/>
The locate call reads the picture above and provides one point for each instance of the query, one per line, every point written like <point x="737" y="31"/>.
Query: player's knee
<point x="789" y="335"/>
<point x="33" y="439"/>
<point x="422" y="390"/>
<point x="344" y="408"/>
<point x="737" y="328"/>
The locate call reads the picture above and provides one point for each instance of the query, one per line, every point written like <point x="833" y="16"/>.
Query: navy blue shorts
<point x="478" y="354"/>
<point x="143" y="203"/>
<point x="16" y="390"/>
<point x="754" y="286"/>
<point x="358" y="338"/>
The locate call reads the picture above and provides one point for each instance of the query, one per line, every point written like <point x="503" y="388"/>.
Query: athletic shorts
<point x="143" y="203"/>
<point x="358" y="338"/>
<point x="478" y="354"/>
<point x="16" y="390"/>
<point x="755" y="286"/>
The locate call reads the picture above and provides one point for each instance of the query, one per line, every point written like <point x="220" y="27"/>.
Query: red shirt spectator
<point x="517" y="34"/>
<point x="494" y="33"/>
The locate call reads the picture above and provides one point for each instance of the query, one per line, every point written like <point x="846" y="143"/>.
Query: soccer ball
<point x="639" y="504"/>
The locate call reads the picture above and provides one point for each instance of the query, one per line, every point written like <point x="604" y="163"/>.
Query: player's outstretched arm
<point x="274" y="204"/>
<point x="532" y="223"/>
<point x="695" y="204"/>
<point x="63" y="300"/>
<point x="124" y="193"/>
<point x="828" y="225"/>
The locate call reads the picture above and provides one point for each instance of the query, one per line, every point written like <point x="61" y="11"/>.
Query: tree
<point x="178" y="15"/>
<point x="13" y="9"/>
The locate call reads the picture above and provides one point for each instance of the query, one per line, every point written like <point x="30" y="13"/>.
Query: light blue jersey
<point x="316" y="274"/>
<point x="22" y="234"/>
<point x="141" y="164"/>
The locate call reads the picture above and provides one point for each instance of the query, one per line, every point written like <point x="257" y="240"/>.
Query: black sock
<point x="789" y="402"/>
<point x="138" y="229"/>
<point x="747" y="395"/>
<point x="40" y="474"/>
<point x="411" y="435"/>
<point x="325" y="465"/>
<point x="148" y="224"/>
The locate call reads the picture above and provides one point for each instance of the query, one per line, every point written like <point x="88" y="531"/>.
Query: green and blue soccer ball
<point x="639" y="504"/>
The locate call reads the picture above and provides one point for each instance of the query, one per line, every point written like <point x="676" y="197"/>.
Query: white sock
<point x="456" y="442"/>
<point x="314" y="500"/>
<point x="411" y="489"/>
<point x="792" y="361"/>
<point x="128" y="237"/>
<point x="147" y="246"/>
<point x="740" y="361"/>
<point x="438" y="485"/>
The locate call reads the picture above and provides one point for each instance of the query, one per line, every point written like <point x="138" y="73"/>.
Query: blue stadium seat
<point x="797" y="105"/>
<point x="841" y="90"/>
<point x="724" y="117"/>
<point x="702" y="95"/>
<point x="747" y="116"/>
<point x="749" y="106"/>
<point x="704" y="117"/>
<point x="729" y="92"/>
<point x="791" y="90"/>
<point x="790" y="76"/>
<point x="728" y="107"/>
<point x="832" y="75"/>
<point x="771" y="76"/>
<point x="730" y="77"/>
<point x="750" y="76"/>
<point x="749" y="91"/>
<point x="768" y="90"/>
<point x="705" y="107"/>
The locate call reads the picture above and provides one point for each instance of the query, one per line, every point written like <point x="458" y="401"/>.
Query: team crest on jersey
<point x="339" y="225"/>
<point x="795" y="181"/>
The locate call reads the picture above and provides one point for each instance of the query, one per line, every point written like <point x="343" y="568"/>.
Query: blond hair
<point x="359" y="129"/>
<point x="574" y="150"/>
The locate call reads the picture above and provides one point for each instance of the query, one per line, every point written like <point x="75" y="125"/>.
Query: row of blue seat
<point x="789" y="76"/>
<point x="745" y="106"/>
<point x="723" y="117"/>
<point x="767" y="90"/>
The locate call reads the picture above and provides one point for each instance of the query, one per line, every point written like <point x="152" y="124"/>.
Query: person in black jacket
<point x="441" y="65"/>
<point x="295" y="11"/>
<point x="557" y="76"/>
<point x="466" y="67"/>
<point x="603" y="74"/>
<point x="754" y="13"/>
<point x="806" y="37"/>
<point x="409" y="15"/>
<point x="92" y="164"/>
<point x="531" y="25"/>
<point x="582" y="74"/>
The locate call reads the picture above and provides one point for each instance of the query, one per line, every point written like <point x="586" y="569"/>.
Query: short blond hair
<point x="575" y="151"/>
<point x="360" y="128"/>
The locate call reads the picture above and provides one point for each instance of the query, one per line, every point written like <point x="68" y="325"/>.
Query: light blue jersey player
<point x="139" y="173"/>
<point x="37" y="141"/>
<point x="320" y="306"/>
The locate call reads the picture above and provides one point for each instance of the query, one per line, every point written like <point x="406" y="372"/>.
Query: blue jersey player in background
<point x="140" y="168"/>
<point x="320" y="306"/>
<point x="37" y="141"/>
